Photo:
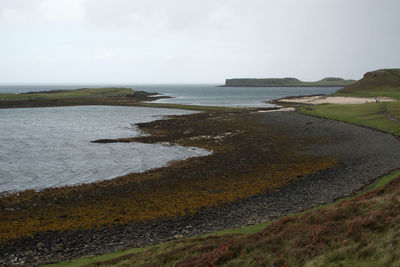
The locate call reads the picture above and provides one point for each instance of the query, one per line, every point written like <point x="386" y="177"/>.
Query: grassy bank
<point x="362" y="230"/>
<point x="61" y="94"/>
<point x="384" y="116"/>
<point x="378" y="83"/>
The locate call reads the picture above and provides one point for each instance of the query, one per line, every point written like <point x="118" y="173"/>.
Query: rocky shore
<point x="322" y="160"/>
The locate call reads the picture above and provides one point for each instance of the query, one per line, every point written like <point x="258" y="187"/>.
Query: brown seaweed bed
<point x="263" y="165"/>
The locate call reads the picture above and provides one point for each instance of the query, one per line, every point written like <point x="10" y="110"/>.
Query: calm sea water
<point x="47" y="147"/>
<point x="197" y="94"/>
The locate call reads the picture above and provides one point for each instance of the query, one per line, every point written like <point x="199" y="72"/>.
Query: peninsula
<point x="286" y="82"/>
<point x="78" y="97"/>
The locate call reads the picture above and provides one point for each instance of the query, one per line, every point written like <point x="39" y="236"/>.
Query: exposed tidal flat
<point x="264" y="165"/>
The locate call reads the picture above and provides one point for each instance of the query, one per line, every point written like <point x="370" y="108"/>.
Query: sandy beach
<point x="325" y="99"/>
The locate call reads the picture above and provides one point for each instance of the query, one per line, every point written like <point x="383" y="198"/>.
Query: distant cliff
<point x="285" y="82"/>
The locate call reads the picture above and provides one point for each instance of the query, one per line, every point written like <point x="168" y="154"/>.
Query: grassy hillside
<point x="384" y="82"/>
<point x="61" y="94"/>
<point x="362" y="231"/>
<point x="384" y="116"/>
<point x="285" y="82"/>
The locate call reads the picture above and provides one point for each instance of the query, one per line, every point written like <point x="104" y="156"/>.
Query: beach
<point x="328" y="99"/>
<point x="263" y="166"/>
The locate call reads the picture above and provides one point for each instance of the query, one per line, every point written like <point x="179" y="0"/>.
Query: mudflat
<point x="264" y="165"/>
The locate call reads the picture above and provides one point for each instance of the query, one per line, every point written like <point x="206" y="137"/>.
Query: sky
<point x="194" y="41"/>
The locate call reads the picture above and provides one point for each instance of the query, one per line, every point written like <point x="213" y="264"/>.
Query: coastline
<point x="295" y="195"/>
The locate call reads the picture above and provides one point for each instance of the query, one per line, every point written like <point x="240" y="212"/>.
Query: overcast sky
<point x="194" y="41"/>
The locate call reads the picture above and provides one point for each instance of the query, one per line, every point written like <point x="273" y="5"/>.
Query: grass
<point x="358" y="231"/>
<point x="384" y="82"/>
<point x="241" y="232"/>
<point x="61" y="94"/>
<point x="384" y="116"/>
<point x="387" y="92"/>
<point x="361" y="231"/>
<point x="88" y="260"/>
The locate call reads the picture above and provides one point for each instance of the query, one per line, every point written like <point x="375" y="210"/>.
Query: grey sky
<point x="190" y="41"/>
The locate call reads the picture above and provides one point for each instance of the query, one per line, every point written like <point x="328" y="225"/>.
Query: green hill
<point x="285" y="82"/>
<point x="384" y="82"/>
<point x="78" y="93"/>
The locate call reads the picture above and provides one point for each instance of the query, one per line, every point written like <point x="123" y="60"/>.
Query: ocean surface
<point x="195" y="94"/>
<point x="48" y="147"/>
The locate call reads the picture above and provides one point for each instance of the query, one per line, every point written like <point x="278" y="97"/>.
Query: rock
<point x="187" y="132"/>
<point x="57" y="248"/>
<point x="40" y="246"/>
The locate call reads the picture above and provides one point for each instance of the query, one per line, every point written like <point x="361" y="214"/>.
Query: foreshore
<point x="326" y="99"/>
<point x="264" y="165"/>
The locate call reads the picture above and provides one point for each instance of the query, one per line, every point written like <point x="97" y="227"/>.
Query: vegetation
<point x="285" y="82"/>
<point x="61" y="94"/>
<point x="385" y="82"/>
<point x="234" y="171"/>
<point x="361" y="231"/>
<point x="384" y="116"/>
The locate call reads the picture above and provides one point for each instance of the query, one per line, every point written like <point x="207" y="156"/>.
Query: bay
<point x="50" y="147"/>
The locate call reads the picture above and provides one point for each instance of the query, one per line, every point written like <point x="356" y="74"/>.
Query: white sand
<point x="279" y="109"/>
<point x="332" y="100"/>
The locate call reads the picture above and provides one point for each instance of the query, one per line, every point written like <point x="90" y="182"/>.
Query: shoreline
<point x="249" y="210"/>
<point x="326" y="99"/>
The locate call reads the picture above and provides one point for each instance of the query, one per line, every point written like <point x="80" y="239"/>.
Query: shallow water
<point x="48" y="147"/>
<point x="210" y="95"/>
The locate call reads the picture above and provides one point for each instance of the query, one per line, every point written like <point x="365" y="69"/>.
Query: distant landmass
<point x="285" y="82"/>
<point x="384" y="82"/>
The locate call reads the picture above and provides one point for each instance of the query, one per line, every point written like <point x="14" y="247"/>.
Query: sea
<point x="51" y="147"/>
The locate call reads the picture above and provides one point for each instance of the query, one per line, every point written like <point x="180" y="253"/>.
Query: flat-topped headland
<point x="286" y="82"/>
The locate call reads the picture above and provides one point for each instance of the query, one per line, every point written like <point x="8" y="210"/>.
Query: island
<point x="286" y="82"/>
